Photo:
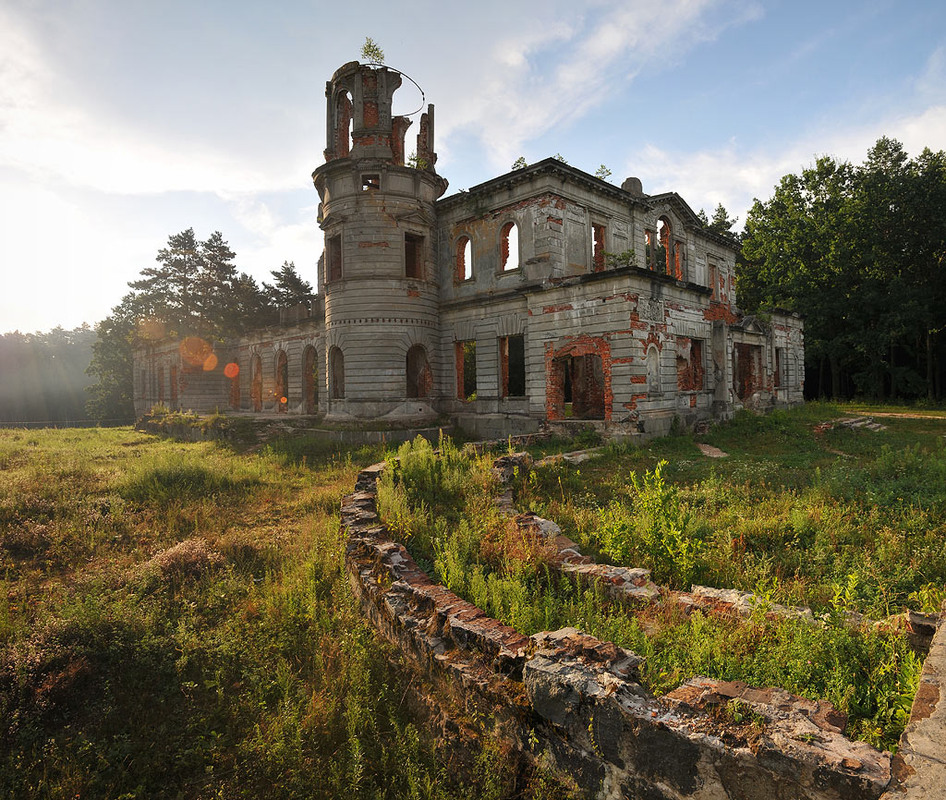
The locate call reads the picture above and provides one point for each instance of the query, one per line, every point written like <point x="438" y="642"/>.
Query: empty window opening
<point x="419" y="377"/>
<point x="597" y="256"/>
<point x="256" y="384"/>
<point x="747" y="370"/>
<point x="336" y="366"/>
<point x="142" y="383"/>
<point x="466" y="369"/>
<point x="414" y="256"/>
<point x="780" y="368"/>
<point x="679" y="260"/>
<point x="512" y="360"/>
<point x="649" y="251"/>
<point x="173" y="387"/>
<point x="160" y="384"/>
<point x="310" y="379"/>
<point x="234" y="375"/>
<point x="714" y="280"/>
<point x="576" y="387"/>
<point x="689" y="364"/>
<point x="281" y="383"/>
<point x="509" y="247"/>
<point x="335" y="257"/>
<point x="342" y="125"/>
<point x="464" y="259"/>
<point x="664" y="252"/>
<point x="370" y="182"/>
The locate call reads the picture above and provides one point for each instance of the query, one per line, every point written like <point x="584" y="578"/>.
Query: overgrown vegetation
<point x="175" y="621"/>
<point x="842" y="520"/>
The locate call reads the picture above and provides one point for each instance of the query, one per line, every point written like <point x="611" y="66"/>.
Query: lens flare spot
<point x="283" y="399"/>
<point x="195" y="351"/>
<point x="231" y="370"/>
<point x="210" y="363"/>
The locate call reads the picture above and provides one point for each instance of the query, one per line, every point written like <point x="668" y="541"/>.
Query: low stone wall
<point x="573" y="702"/>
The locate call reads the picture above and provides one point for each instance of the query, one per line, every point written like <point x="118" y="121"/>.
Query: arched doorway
<point x="419" y="377"/>
<point x="256" y="385"/>
<point x="281" y="383"/>
<point x="310" y="380"/>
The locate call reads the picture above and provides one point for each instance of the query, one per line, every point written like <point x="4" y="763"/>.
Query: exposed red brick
<point x="556" y="308"/>
<point x="373" y="244"/>
<point x="638" y="379"/>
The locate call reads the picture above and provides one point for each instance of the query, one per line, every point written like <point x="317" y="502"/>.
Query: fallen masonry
<point x="574" y="703"/>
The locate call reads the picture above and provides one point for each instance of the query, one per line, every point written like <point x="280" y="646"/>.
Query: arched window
<point x="464" y="269"/>
<point x="342" y="124"/>
<point x="336" y="367"/>
<point x="509" y="247"/>
<point x="256" y="385"/>
<point x="281" y="384"/>
<point x="310" y="380"/>
<point x="664" y="249"/>
<point x="419" y="378"/>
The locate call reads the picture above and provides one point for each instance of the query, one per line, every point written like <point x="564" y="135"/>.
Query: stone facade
<point x="542" y="295"/>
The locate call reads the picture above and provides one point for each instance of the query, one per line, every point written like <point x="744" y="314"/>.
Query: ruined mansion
<point x="542" y="295"/>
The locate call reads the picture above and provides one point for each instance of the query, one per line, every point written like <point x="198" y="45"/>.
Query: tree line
<point x="859" y="251"/>
<point x="44" y="376"/>
<point x="194" y="289"/>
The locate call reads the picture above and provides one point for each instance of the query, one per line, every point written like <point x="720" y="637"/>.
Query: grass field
<point x="175" y="622"/>
<point x="799" y="513"/>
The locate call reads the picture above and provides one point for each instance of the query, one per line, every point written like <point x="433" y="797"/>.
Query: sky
<point x="123" y="122"/>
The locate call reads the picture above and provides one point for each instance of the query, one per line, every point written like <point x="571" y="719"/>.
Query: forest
<point x="859" y="251"/>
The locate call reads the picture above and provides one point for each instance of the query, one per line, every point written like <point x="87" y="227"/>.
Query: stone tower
<point x="379" y="277"/>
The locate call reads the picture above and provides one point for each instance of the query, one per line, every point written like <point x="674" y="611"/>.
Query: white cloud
<point x="275" y="240"/>
<point x="734" y="176"/>
<point x="56" y="140"/>
<point x="523" y="95"/>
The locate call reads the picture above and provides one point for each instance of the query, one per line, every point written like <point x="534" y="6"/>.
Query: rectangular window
<point x="414" y="256"/>
<point x="370" y="182"/>
<point x="466" y="369"/>
<point x="780" y="364"/>
<point x="512" y="360"/>
<point x="335" y="258"/>
<point x="649" y="249"/>
<point x="597" y="255"/>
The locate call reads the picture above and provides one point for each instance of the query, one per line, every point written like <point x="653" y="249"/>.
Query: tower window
<point x="370" y="182"/>
<point x="335" y="258"/>
<point x="414" y="256"/>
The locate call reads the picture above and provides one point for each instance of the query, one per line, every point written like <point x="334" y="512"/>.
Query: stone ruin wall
<point x="572" y="703"/>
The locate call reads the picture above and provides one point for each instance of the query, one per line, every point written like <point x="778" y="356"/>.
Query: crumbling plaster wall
<point x="623" y="311"/>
